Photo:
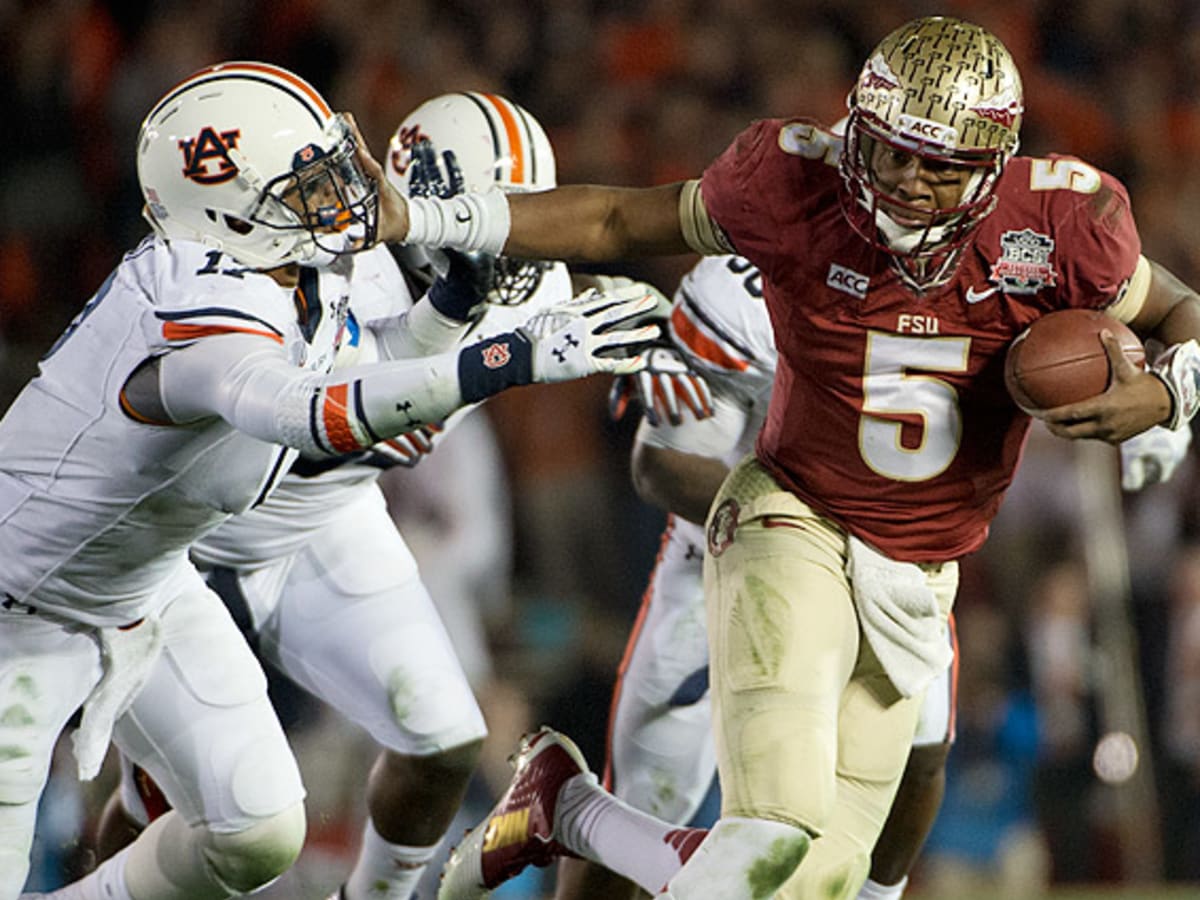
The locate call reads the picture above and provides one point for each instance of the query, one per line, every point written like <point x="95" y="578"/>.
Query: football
<point x="1060" y="359"/>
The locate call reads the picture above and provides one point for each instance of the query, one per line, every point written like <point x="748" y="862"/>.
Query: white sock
<point x="386" y="871"/>
<point x="872" y="890"/>
<point x="596" y="825"/>
<point x="107" y="882"/>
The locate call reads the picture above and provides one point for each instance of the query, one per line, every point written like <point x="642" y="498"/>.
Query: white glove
<point x="580" y="337"/>
<point x="1153" y="456"/>
<point x="620" y="286"/>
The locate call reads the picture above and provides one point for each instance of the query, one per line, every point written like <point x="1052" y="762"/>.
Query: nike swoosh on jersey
<point x="974" y="296"/>
<point x="460" y="216"/>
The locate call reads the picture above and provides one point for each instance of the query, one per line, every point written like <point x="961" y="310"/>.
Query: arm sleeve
<point x="420" y="331"/>
<point x="249" y="383"/>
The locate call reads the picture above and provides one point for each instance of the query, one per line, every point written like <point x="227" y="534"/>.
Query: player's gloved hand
<point x="1153" y="456"/>
<point x="620" y="286"/>
<point x="425" y="176"/>
<point x="594" y="332"/>
<point x="406" y="449"/>
<point x="460" y="293"/>
<point x="665" y="389"/>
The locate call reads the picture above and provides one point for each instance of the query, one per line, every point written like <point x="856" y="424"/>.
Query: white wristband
<point x="1178" y="367"/>
<point x="472" y="223"/>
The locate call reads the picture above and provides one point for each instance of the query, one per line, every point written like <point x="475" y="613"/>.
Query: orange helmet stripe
<point x="257" y="69"/>
<point x="284" y="75"/>
<point x="513" y="132"/>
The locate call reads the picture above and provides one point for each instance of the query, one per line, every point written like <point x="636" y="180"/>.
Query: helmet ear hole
<point x="240" y="226"/>
<point x="233" y="223"/>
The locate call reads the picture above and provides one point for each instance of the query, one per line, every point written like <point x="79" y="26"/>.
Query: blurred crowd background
<point x="525" y="523"/>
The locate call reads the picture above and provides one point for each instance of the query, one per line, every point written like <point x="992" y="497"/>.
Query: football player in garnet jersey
<point x="898" y="263"/>
<point x="178" y="397"/>
<point x="660" y="756"/>
<point x="660" y="749"/>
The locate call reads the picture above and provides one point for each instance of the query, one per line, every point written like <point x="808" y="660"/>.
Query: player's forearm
<point x="680" y="483"/>
<point x="251" y="384"/>
<point x="595" y="224"/>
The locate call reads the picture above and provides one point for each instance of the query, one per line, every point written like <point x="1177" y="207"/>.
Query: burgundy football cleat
<point x="519" y="831"/>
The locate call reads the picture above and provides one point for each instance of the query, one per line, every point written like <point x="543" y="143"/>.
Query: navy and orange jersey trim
<point x="691" y="328"/>
<point x="190" y="325"/>
<point x="308" y="302"/>
<point x="608" y="779"/>
<point x="512" y="137"/>
<point x="304" y="92"/>
<point x="132" y="413"/>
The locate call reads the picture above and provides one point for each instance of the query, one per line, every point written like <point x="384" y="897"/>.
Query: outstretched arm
<point x="588" y="223"/>
<point x="592" y="223"/>
<point x="248" y="381"/>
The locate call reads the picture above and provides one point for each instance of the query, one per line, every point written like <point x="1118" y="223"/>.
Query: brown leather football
<point x="1060" y="359"/>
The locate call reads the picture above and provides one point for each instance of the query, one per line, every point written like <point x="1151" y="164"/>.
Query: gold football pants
<point x="809" y="729"/>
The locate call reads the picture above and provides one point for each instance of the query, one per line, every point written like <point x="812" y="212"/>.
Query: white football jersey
<point x="98" y="506"/>
<point x="302" y="505"/>
<point x="720" y="323"/>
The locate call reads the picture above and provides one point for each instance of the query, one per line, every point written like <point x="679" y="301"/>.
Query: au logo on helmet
<point x="206" y="156"/>
<point x="400" y="155"/>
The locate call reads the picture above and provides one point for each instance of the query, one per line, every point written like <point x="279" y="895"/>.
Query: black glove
<point x="462" y="291"/>
<point x="425" y="177"/>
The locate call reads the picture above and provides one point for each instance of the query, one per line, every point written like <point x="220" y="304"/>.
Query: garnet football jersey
<point x="889" y="411"/>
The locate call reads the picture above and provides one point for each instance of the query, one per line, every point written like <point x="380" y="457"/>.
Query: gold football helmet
<point x="946" y="91"/>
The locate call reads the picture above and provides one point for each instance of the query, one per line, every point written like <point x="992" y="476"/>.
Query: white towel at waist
<point x="900" y="617"/>
<point x="127" y="655"/>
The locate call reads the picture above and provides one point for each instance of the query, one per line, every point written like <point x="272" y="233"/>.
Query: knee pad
<point x="243" y="861"/>
<point x="741" y="859"/>
<point x="828" y="879"/>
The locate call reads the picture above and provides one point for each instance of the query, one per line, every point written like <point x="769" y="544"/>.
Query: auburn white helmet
<point x="472" y="141"/>
<point x="248" y="158"/>
<point x="947" y="91"/>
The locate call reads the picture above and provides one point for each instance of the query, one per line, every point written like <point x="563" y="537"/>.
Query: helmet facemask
<point x="516" y="280"/>
<point x="948" y="94"/>
<point x="327" y="195"/>
<point x="924" y="254"/>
